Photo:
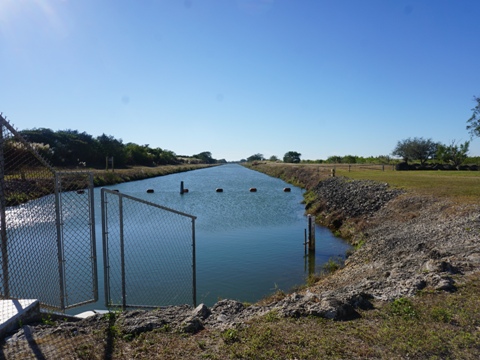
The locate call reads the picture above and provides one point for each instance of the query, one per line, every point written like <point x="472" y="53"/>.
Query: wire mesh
<point x="78" y="238"/>
<point x="47" y="236"/>
<point x="149" y="253"/>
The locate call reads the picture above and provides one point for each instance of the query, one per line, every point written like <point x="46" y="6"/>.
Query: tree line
<point x="407" y="150"/>
<point x="289" y="157"/>
<point x="71" y="148"/>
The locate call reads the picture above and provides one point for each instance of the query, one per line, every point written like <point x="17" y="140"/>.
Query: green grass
<point x="460" y="186"/>
<point x="332" y="265"/>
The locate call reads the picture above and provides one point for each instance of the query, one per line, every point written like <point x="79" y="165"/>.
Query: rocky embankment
<point x="404" y="243"/>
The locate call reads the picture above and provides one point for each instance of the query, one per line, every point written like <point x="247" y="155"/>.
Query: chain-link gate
<point x="47" y="228"/>
<point x="149" y="253"/>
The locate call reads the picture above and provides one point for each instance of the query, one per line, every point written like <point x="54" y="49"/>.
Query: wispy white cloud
<point x="43" y="14"/>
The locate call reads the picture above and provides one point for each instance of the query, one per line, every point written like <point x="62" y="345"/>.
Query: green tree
<point x="273" y="158"/>
<point x="165" y="157"/>
<point x="292" y="157"/>
<point x="349" y="159"/>
<point x="473" y="124"/>
<point x="334" y="159"/>
<point x="138" y="155"/>
<point x="39" y="135"/>
<point x="111" y="147"/>
<point x="255" y="157"/>
<point x="15" y="150"/>
<point x="454" y="153"/>
<point x="415" y="149"/>
<point x="384" y="159"/>
<point x="205" y="157"/>
<point x="68" y="147"/>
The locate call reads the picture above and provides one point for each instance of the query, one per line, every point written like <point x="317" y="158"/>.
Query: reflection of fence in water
<point x="32" y="252"/>
<point x="149" y="253"/>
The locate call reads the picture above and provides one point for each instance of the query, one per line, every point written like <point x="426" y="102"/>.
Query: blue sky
<point x="239" y="77"/>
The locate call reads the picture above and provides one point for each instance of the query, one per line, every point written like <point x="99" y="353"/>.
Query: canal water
<point x="248" y="244"/>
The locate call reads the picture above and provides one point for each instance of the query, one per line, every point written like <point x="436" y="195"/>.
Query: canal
<point x="248" y="244"/>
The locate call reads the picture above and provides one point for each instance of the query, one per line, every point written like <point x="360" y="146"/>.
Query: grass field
<point x="461" y="186"/>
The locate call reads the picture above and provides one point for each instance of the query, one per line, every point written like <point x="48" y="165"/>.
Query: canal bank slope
<point x="104" y="178"/>
<point x="19" y="191"/>
<point x="404" y="241"/>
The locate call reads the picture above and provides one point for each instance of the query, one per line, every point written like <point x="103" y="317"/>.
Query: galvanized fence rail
<point x="47" y="228"/>
<point x="149" y="253"/>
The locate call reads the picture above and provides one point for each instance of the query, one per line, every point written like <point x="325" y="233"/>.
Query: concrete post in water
<point x="181" y="188"/>
<point x="305" y="242"/>
<point x="311" y="263"/>
<point x="311" y="233"/>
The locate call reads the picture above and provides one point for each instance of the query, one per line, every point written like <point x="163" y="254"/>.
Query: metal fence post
<point x="3" y="222"/>
<point x="106" y="264"/>
<point x="93" y="241"/>
<point x="194" y="265"/>
<point x="60" y="251"/>
<point x="122" y="252"/>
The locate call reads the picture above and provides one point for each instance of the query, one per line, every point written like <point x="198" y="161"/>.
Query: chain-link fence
<point x="149" y="253"/>
<point x="48" y="253"/>
<point x="47" y="228"/>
